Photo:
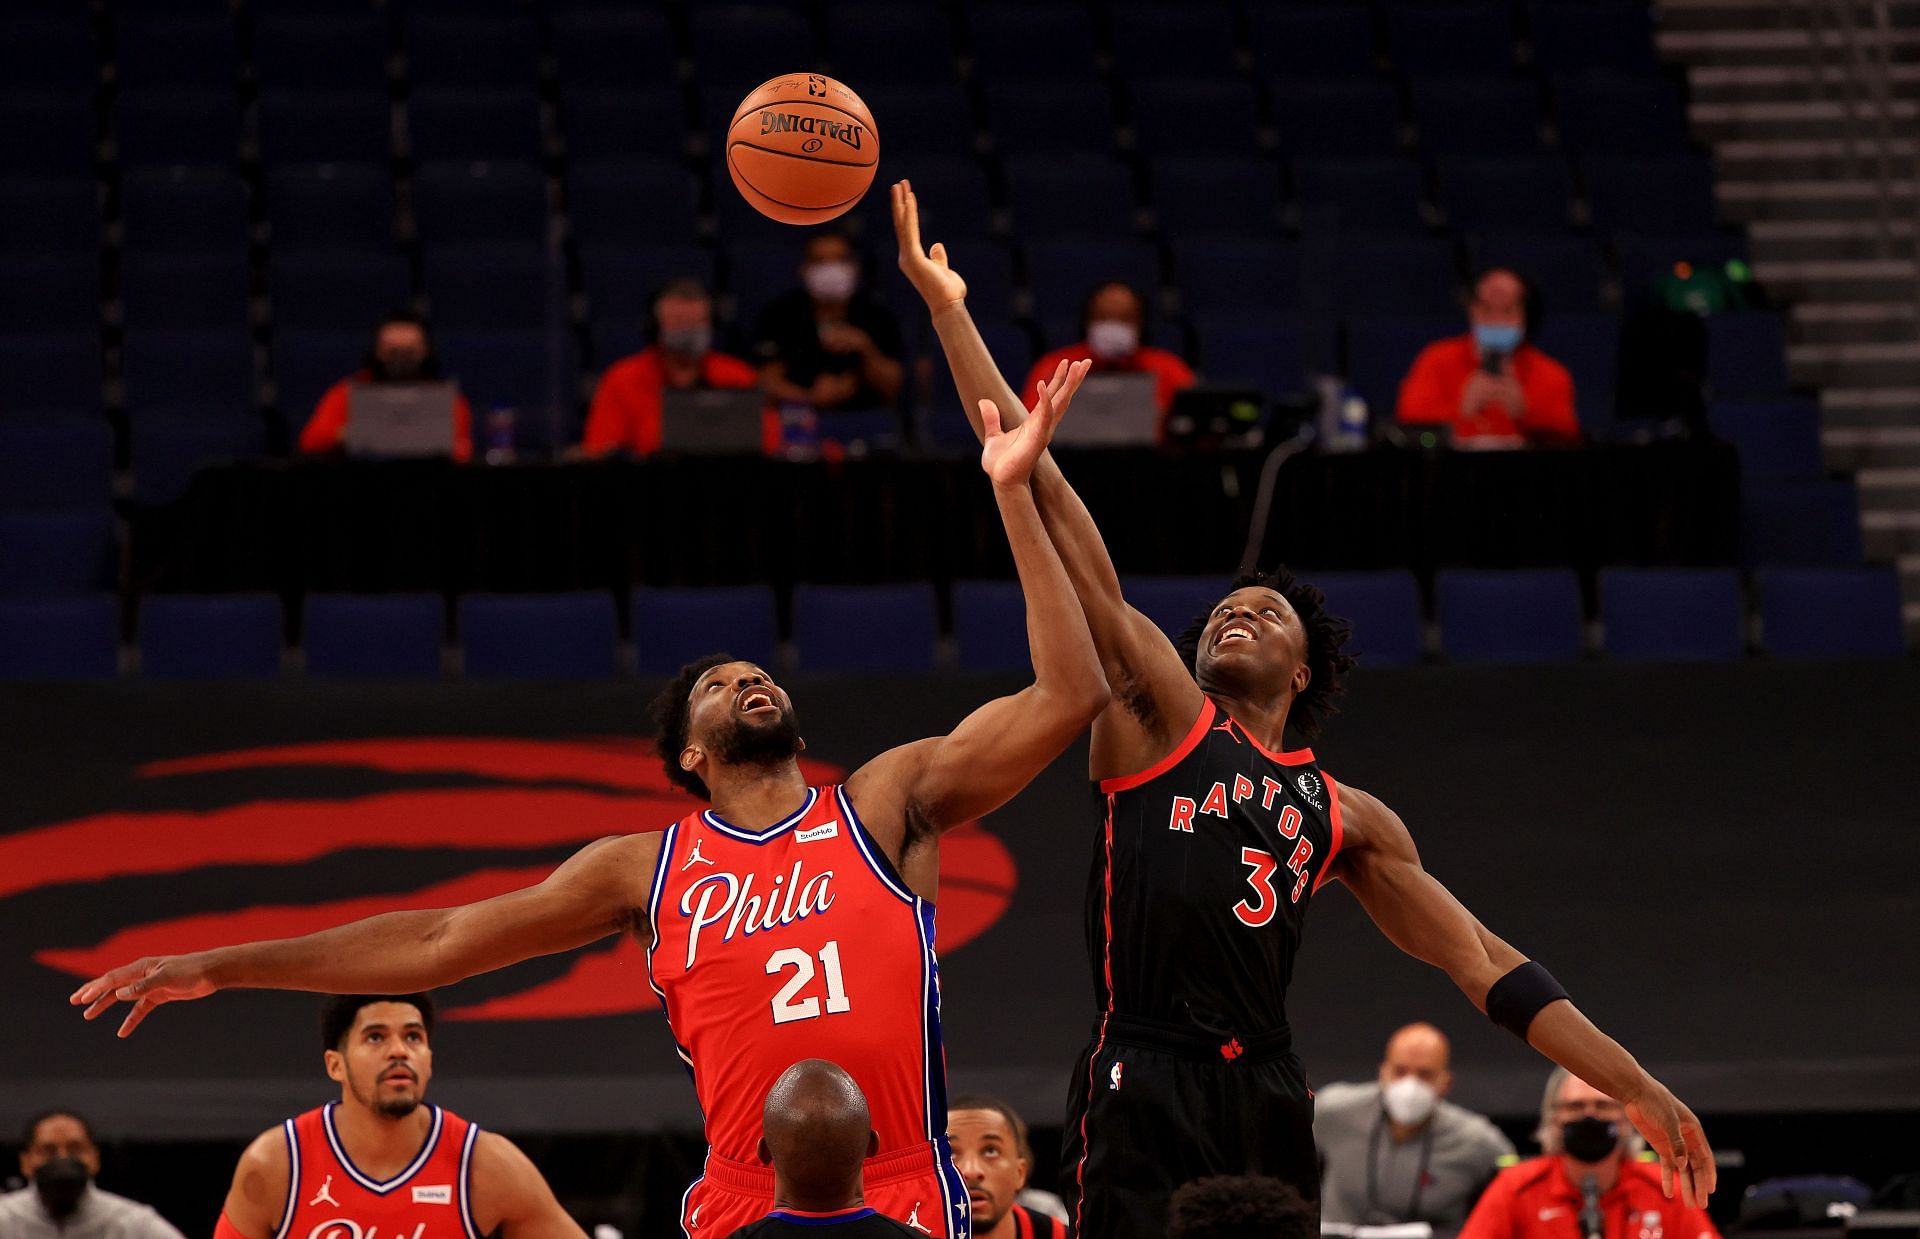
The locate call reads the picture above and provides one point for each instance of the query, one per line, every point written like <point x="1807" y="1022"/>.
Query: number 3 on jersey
<point x="785" y="1009"/>
<point x="1261" y="880"/>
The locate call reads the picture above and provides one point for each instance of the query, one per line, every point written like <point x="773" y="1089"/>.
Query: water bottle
<point x="1351" y="432"/>
<point x="799" y="430"/>
<point x="499" y="435"/>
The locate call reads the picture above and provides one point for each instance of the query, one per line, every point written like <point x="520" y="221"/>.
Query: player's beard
<point x="389" y="1105"/>
<point x="749" y="744"/>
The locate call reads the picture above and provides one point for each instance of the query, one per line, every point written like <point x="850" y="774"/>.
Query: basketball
<point x="802" y="148"/>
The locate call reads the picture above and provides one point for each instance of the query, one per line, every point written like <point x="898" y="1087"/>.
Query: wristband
<point x="1520" y="995"/>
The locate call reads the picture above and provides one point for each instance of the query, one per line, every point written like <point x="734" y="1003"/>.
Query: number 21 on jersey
<point x="787" y="1005"/>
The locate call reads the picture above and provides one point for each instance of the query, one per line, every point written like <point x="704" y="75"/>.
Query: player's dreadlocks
<point x="671" y="711"/>
<point x="1326" y="634"/>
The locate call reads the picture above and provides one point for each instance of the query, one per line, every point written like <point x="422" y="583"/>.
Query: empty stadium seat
<point x="49" y="216"/>
<point x="883" y="43"/>
<point x="1068" y="195"/>
<point x="631" y="202"/>
<point x="1588" y="345"/>
<point x="55" y="554"/>
<point x="209" y="637"/>
<point x="1778" y="440"/>
<point x="1530" y="616"/>
<point x="749" y="43"/>
<point x="1265" y="351"/>
<point x="353" y="127"/>
<point x="1800" y="523"/>
<point x="1216" y="275"/>
<point x="1165" y="38"/>
<point x="1015" y="41"/>
<point x="932" y="116"/>
<point x="60" y="638"/>
<point x="1337" y="117"/>
<point x="183" y="208"/>
<point x="489" y="287"/>
<point x="956" y="202"/>
<point x="1623" y="112"/>
<point x="1476" y="116"/>
<point x="1458" y="37"/>
<point x="1381" y="349"/>
<point x="330" y="206"/>
<point x="153" y="50"/>
<point x="165" y="451"/>
<point x="1062" y="273"/>
<point x="533" y="372"/>
<point x="1215" y="195"/>
<point x="864" y="627"/>
<point x="1045" y="117"/>
<point x="1746" y="355"/>
<point x="1383" y="608"/>
<point x="52" y="371"/>
<point x="612" y="49"/>
<point x="1173" y="602"/>
<point x="374" y="636"/>
<point x="492" y="50"/>
<point x="51" y="293"/>
<point x="631" y="122"/>
<point x="1368" y="193"/>
<point x="1182" y="116"/>
<point x="1673" y="614"/>
<point x="672" y="627"/>
<point x="177" y="127"/>
<point x="1591" y="34"/>
<point x="1830" y="612"/>
<point x="538" y="636"/>
<point x="55" y="462"/>
<point x="500" y="126"/>
<point x="306" y="363"/>
<point x="51" y="50"/>
<point x="197" y="371"/>
<point x="1566" y="271"/>
<point x="48" y="134"/>
<point x="333" y="51"/>
<point x="990" y="626"/>
<point x="337" y="290"/>
<point x="458" y="203"/>
<point x="1617" y="192"/>
<point x="1294" y="40"/>
<point x="1391" y="275"/>
<point x="1518" y="193"/>
<point x="758" y="272"/>
<point x="201" y="290"/>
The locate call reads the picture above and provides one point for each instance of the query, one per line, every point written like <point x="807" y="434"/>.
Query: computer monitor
<point x="708" y="421"/>
<point x="393" y="420"/>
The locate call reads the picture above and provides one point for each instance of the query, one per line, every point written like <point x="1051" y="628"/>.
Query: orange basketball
<point x="802" y="148"/>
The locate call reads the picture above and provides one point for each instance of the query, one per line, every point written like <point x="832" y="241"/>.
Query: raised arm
<point x="596" y="892"/>
<point x="1380" y="865"/>
<point x="1154" y="697"/>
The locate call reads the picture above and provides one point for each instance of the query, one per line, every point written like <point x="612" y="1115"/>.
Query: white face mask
<point x="1111" y="339"/>
<point x="830" y="281"/>
<point x="1409" y="1100"/>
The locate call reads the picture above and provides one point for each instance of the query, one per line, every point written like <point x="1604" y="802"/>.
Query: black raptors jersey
<point x="1201" y="880"/>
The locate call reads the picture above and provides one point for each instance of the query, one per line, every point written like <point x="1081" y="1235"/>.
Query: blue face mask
<point x="1496" y="339"/>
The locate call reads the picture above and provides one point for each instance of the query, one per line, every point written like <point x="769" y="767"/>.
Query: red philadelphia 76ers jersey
<point x="328" y="1197"/>
<point x="797" y="941"/>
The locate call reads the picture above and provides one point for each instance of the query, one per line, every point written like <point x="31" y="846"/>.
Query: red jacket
<point x="1535" y="1200"/>
<point x="1431" y="393"/>
<point x="1170" y="374"/>
<point x="328" y="425"/>
<point x="626" y="406"/>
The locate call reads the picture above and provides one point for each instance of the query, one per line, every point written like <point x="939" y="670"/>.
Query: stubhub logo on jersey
<point x="727" y="897"/>
<point x="347" y="1228"/>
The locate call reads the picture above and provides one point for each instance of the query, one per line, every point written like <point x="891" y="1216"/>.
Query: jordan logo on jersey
<point x="694" y="858"/>
<point x="325" y="1195"/>
<point x="347" y="1228"/>
<point x="727" y="897"/>
<point x="913" y="1219"/>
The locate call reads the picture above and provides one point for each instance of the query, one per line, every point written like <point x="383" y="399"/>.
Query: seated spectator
<point x="1588" y="1165"/>
<point x="829" y="343"/>
<point x="625" y="414"/>
<point x="1491" y="387"/>
<point x="818" y="1135"/>
<point x="1231" y="1206"/>
<point x="1114" y="316"/>
<point x="1393" y="1151"/>
<point x="60" y="1160"/>
<point x="991" y="1151"/>
<point x="401" y="353"/>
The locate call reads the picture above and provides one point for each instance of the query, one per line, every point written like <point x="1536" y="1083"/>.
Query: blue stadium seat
<point x="946" y="426"/>
<point x="749" y="43"/>
<point x="1062" y="273"/>
<point x="672" y="627"/>
<point x="60" y="639"/>
<point x="1017" y="41"/>
<point x="933" y="117"/>
<point x="1801" y="523"/>
<point x="1183" y="116"/>
<point x="1673" y="614"/>
<point x="1393" y="275"/>
<point x="622" y="281"/>
<point x="336" y="290"/>
<point x="168" y="50"/>
<point x="1068" y="195"/>
<point x="538" y="636"/>
<point x="1588" y="345"/>
<point x="337" y="51"/>
<point x="186" y="291"/>
<point x="49" y="216"/>
<point x="53" y="135"/>
<point x="1592" y="34"/>
<point x="330" y="206"/>
<point x="1525" y="193"/>
<point x="864" y="627"/>
<point x="54" y="293"/>
<point x="757" y="273"/>
<point x="990" y="626"/>
<point x="374" y="636"/>
<point x="166" y="451"/>
<point x="882" y="43"/>
<point x="207" y="373"/>
<point x="1477" y="116"/>
<point x="182" y="208"/>
<point x="1778" y="440"/>
<point x="210" y="637"/>
<point x="1266" y="351"/>
<point x="177" y="127"/>
<point x="52" y="371"/>
<point x="1047" y="117"/>
<point x="457" y="203"/>
<point x="1530" y="616"/>
<point x="1164" y="38"/>
<point x="1645" y="259"/>
<point x="495" y="50"/>
<point x="471" y="123"/>
<point x="1381" y="349"/>
<point x="1384" y="609"/>
<point x="1219" y="275"/>
<point x="612" y="49"/>
<point x="534" y="373"/>
<point x="1831" y="612"/>
<point x="354" y="127"/>
<point x="1458" y="37"/>
<point x="1746" y="355"/>
<point x="956" y="202"/>
<point x="1215" y="195"/>
<point x="57" y="553"/>
<point x="1627" y="113"/>
<point x="1617" y="191"/>
<point x="636" y="123"/>
<point x="1566" y="271"/>
<point x="306" y="363"/>
<point x="55" y="461"/>
<point x="1295" y="40"/>
<point x="490" y="287"/>
<point x="1336" y="117"/>
<point x="631" y="202"/>
<point x="1373" y="192"/>
<point x="49" y="52"/>
<point x="1173" y="602"/>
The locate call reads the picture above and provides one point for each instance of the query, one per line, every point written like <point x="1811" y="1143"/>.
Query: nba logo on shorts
<point x="1113" y="1078"/>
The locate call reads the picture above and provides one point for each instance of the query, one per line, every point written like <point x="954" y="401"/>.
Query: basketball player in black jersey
<point x="1213" y="839"/>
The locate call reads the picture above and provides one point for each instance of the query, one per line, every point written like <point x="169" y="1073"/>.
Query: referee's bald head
<point x="817" y="1132"/>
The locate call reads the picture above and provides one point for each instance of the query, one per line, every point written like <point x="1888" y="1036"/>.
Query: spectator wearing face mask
<point x="401" y="353"/>
<point x="1114" y="316"/>
<point x="1492" y="387"/>
<point x="625" y="414"/>
<point x="1393" y="1151"/>
<point x="59" y="1159"/>
<point x="1588" y="1183"/>
<point x="829" y="343"/>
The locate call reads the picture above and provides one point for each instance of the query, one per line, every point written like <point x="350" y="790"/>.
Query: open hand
<point x="146" y="983"/>
<point x="1676" y="1137"/>
<point x="1009" y="456"/>
<point x="926" y="270"/>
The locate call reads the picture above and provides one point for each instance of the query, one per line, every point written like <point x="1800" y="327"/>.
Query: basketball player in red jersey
<point x="381" y="1163"/>
<point x="786" y="922"/>
<point x="1213" y="839"/>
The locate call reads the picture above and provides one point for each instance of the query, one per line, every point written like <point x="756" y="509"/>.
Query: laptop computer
<point x="1112" y="410"/>
<point x="712" y="421"/>
<point x="394" y="420"/>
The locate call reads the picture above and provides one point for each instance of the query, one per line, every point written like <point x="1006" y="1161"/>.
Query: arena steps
<point x="1794" y="239"/>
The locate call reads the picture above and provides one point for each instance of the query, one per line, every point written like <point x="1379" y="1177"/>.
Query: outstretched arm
<point x="594" y="893"/>
<point x="1380" y="865"/>
<point x="1154" y="697"/>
